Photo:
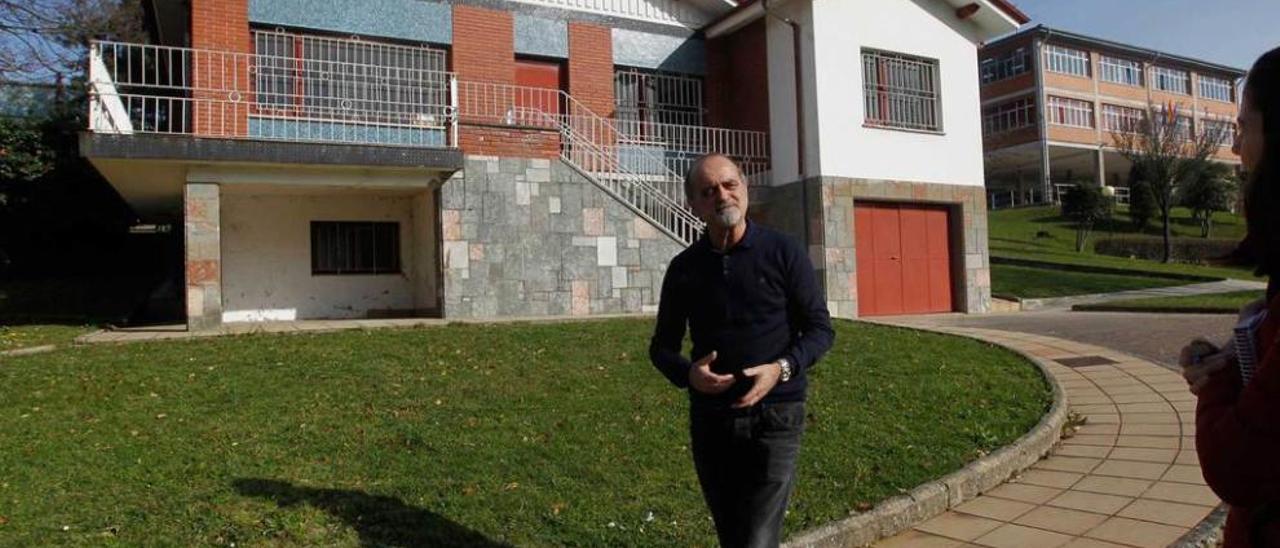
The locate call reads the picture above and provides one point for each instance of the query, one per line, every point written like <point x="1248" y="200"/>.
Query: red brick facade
<point x="223" y="26"/>
<point x="484" y="51"/>
<point x="591" y="67"/>
<point x="737" y="81"/>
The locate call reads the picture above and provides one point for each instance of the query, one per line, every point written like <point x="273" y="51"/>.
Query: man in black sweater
<point x="750" y="299"/>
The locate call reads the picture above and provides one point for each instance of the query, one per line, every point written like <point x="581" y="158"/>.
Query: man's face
<point x="720" y="194"/>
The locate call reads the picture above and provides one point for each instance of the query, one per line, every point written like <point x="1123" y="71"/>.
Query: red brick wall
<point x="737" y="82"/>
<point x="484" y="51"/>
<point x="222" y="26"/>
<point x="483" y="45"/>
<point x="591" y="67"/>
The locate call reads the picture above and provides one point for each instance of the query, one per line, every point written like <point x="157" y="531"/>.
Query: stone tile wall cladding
<point x="831" y="239"/>
<point x="203" y="237"/>
<point x="533" y="237"/>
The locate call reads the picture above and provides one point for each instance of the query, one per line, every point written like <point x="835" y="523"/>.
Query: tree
<point x="1211" y="190"/>
<point x="1167" y="152"/>
<point x="1086" y="205"/>
<point x="1142" y="203"/>
<point x="45" y="40"/>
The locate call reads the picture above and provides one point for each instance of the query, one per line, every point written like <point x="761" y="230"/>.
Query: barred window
<point x="1216" y="88"/>
<point x="1070" y="112"/>
<point x="1223" y="130"/>
<point x="1066" y="60"/>
<point x="1121" y="119"/>
<point x="1121" y="71"/>
<point x="355" y="247"/>
<point x="650" y="96"/>
<point x="900" y="91"/>
<point x="1006" y="65"/>
<point x="1008" y="116"/>
<point x="316" y="77"/>
<point x="1172" y="80"/>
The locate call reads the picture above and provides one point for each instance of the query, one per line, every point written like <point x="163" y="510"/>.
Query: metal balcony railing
<point x="138" y="88"/>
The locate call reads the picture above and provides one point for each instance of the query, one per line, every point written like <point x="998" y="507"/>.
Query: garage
<point x="904" y="258"/>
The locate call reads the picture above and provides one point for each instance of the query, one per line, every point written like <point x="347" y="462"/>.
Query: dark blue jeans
<point x="746" y="462"/>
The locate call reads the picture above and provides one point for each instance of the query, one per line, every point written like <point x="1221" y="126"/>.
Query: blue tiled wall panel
<point x="294" y="130"/>
<point x="539" y="36"/>
<point x="657" y="51"/>
<point x="416" y="20"/>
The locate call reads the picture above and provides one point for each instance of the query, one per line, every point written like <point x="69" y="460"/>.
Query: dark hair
<point x="1261" y="245"/>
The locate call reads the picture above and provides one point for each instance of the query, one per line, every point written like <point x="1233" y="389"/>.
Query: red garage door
<point x="904" y="258"/>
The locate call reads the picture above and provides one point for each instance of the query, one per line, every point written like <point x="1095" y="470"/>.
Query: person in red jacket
<point x="1238" y="422"/>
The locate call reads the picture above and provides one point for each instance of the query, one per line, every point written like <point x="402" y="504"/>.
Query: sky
<point x="1228" y="32"/>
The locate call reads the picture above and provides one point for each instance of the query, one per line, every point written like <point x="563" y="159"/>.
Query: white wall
<point x="266" y="257"/>
<point x="841" y="28"/>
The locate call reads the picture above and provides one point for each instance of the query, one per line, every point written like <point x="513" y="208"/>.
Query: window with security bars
<point x="1121" y="71"/>
<point x="1008" y="116"/>
<point x="1218" y="89"/>
<point x="316" y="77"/>
<point x="355" y="247"/>
<point x="1070" y="112"/>
<point x="1006" y="65"/>
<point x="642" y="96"/>
<point x="1120" y="119"/>
<point x="900" y="91"/>
<point x="1222" y="130"/>
<point x="1172" y="80"/>
<point x="1066" y="60"/>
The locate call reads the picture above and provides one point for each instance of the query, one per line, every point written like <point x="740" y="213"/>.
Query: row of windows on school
<point x="1069" y="112"/>
<point x="1111" y="69"/>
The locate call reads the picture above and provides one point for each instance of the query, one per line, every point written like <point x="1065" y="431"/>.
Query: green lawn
<point x="524" y="434"/>
<point x="1226" y="303"/>
<point x="1012" y="233"/>
<point x="1027" y="282"/>
<point x="24" y="336"/>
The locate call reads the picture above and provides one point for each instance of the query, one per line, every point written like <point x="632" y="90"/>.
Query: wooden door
<point x="904" y="258"/>
<point x="537" y="97"/>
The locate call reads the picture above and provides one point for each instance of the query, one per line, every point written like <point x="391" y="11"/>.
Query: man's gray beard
<point x="729" y="216"/>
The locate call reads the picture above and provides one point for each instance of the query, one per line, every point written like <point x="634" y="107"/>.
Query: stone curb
<point x="29" y="350"/>
<point x="1103" y="307"/>
<point x="901" y="512"/>
<point x="1207" y="533"/>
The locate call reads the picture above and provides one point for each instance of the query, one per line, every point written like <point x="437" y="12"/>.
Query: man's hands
<point x="766" y="376"/>
<point x="702" y="379"/>
<point x="1200" y="360"/>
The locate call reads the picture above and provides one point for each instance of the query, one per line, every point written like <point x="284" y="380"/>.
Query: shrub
<point x="1187" y="250"/>
<point x="1086" y="206"/>
<point x="1142" y="202"/>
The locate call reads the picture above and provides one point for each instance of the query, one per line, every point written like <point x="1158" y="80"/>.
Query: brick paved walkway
<point x="1128" y="477"/>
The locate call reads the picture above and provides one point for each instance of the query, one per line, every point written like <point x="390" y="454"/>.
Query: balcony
<point x="352" y="102"/>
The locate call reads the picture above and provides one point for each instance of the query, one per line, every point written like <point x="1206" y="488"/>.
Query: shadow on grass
<point x="379" y="520"/>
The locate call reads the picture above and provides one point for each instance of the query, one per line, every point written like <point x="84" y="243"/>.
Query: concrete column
<point x="202" y="236"/>
<point x="1101" y="163"/>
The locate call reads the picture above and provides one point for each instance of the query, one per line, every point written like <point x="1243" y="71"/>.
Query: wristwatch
<point x="785" y="365"/>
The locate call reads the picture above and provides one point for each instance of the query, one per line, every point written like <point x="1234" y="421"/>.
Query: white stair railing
<point x="589" y="144"/>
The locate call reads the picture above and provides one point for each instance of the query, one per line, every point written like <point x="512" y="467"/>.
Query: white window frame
<point x="1005" y="66"/>
<point x="901" y="91"/>
<point x="1121" y="119"/>
<point x="1217" y="89"/>
<point x="1068" y="112"/>
<point x="1118" y="70"/>
<point x="1227" y="125"/>
<point x="1164" y="78"/>
<point x="1009" y="116"/>
<point x="1064" y="60"/>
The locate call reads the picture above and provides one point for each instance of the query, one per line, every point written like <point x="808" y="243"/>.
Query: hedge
<point x="1187" y="250"/>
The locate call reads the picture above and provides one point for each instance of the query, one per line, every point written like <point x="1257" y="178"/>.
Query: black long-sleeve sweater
<point x="753" y="304"/>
